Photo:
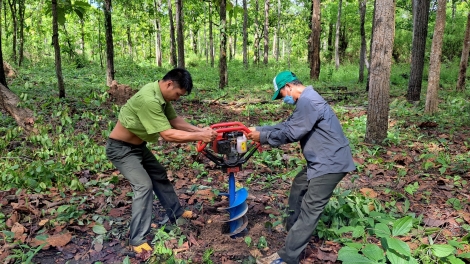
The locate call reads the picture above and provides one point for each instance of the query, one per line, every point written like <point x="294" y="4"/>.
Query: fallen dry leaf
<point x="43" y="222"/>
<point x="256" y="253"/>
<point x="18" y="229"/>
<point x="59" y="240"/>
<point x="368" y="192"/>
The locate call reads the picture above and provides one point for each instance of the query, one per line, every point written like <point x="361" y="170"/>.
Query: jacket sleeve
<point x="301" y="122"/>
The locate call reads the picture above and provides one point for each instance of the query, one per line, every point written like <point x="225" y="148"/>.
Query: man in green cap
<point x="145" y="117"/>
<point x="328" y="156"/>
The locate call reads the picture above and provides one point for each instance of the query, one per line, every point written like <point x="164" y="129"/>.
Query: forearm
<point x="180" y="124"/>
<point x="181" y="136"/>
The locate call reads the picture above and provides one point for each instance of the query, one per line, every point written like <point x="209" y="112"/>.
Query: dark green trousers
<point x="307" y="200"/>
<point x="146" y="176"/>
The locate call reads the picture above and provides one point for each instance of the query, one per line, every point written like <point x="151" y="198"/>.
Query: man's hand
<point x="254" y="135"/>
<point x="208" y="134"/>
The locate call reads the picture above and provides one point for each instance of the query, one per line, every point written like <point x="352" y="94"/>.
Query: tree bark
<point x="464" y="58"/>
<point x="362" y="56"/>
<point x="420" y="34"/>
<point x="256" y="38"/>
<point x="371" y="43"/>
<point x="211" y="36"/>
<point x="245" y="34"/>
<point x="15" y="29"/>
<point x="179" y="32"/>
<point x="316" y="31"/>
<point x="278" y="31"/>
<point x="21" y="11"/>
<point x="266" y="32"/>
<point x="55" y="41"/>
<point x="337" y="35"/>
<point x="24" y="117"/>
<point x="381" y="62"/>
<point x="172" y="36"/>
<point x="158" y="33"/>
<point x="109" y="42"/>
<point x="223" y="76"/>
<point x="129" y="42"/>
<point x="235" y="34"/>
<point x="435" y="60"/>
<point x="3" y="79"/>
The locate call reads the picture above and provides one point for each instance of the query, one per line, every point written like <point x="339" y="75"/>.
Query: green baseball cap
<point x="280" y="81"/>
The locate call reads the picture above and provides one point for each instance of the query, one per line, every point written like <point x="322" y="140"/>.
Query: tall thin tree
<point x="55" y="42"/>
<point x="257" y="34"/>
<point x="435" y="60"/>
<point x="266" y="32"/>
<point x="315" y="42"/>
<point x="108" y="27"/>
<point x="158" y="33"/>
<point x="211" y="36"/>
<point x="172" y="36"/>
<point x="362" y="56"/>
<point x="420" y="34"/>
<point x="380" y="68"/>
<point x="223" y="74"/>
<point x="464" y="57"/>
<point x="179" y="32"/>
<point x="245" y="34"/>
<point x="337" y="35"/>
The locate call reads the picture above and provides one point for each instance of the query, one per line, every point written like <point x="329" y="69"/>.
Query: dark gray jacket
<point x="321" y="137"/>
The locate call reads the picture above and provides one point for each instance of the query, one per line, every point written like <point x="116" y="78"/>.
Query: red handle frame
<point x="226" y="127"/>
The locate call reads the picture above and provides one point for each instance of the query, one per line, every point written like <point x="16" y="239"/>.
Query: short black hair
<point x="182" y="77"/>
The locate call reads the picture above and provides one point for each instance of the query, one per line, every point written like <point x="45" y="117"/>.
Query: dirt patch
<point x="10" y="72"/>
<point x="120" y="93"/>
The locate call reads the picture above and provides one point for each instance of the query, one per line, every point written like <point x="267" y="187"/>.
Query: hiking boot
<point x="141" y="248"/>
<point x="273" y="259"/>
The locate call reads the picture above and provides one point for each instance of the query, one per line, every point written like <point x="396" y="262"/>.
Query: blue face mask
<point x="288" y="99"/>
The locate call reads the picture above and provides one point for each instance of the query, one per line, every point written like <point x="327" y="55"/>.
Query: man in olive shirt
<point x="145" y="117"/>
<point x="328" y="156"/>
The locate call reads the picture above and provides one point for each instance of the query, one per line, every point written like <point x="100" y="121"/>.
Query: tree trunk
<point x="381" y="62"/>
<point x="15" y="28"/>
<point x="257" y="39"/>
<point x="362" y="57"/>
<point x="109" y="42"/>
<point x="100" y="47"/>
<point x="278" y="30"/>
<point x="179" y="32"/>
<point x="24" y="117"/>
<point x="55" y="41"/>
<point x="420" y="33"/>
<point x="316" y="31"/>
<point x="82" y="36"/>
<point x="266" y="32"/>
<point x="158" y="33"/>
<point x="337" y="35"/>
<point x="236" y="31"/>
<point x="172" y="36"/>
<point x="21" y="11"/>
<point x="245" y="34"/>
<point x="129" y="42"/>
<point x="329" y="55"/>
<point x="223" y="75"/>
<point x="211" y="36"/>
<point x="371" y="43"/>
<point x="435" y="59"/>
<point x="464" y="58"/>
<point x="3" y="79"/>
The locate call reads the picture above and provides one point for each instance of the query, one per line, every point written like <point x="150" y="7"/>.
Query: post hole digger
<point x="229" y="151"/>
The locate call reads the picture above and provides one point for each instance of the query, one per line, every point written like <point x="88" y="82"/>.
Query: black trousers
<point x="146" y="176"/>
<point x="307" y="200"/>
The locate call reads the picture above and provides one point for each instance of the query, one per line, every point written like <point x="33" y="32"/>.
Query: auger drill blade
<point x="238" y="225"/>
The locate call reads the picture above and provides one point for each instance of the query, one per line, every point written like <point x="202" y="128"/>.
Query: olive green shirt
<point x="146" y="114"/>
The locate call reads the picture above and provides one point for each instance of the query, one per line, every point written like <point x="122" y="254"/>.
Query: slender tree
<point x="362" y="56"/>
<point x="172" y="36"/>
<point x="179" y="32"/>
<point x="3" y="79"/>
<point x="14" y="18"/>
<point x="245" y="34"/>
<point x="380" y="68"/>
<point x="420" y="33"/>
<point x="278" y="31"/>
<point x="315" y="41"/>
<point x="223" y="74"/>
<point x="435" y="59"/>
<point x="337" y="35"/>
<point x="464" y="57"/>
<point x="266" y="32"/>
<point x="257" y="34"/>
<point x="21" y="11"/>
<point x="55" y="42"/>
<point x="211" y="36"/>
<point x="158" y="33"/>
<point x="108" y="26"/>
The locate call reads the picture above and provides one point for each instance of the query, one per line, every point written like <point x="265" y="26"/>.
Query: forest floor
<point x="76" y="240"/>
